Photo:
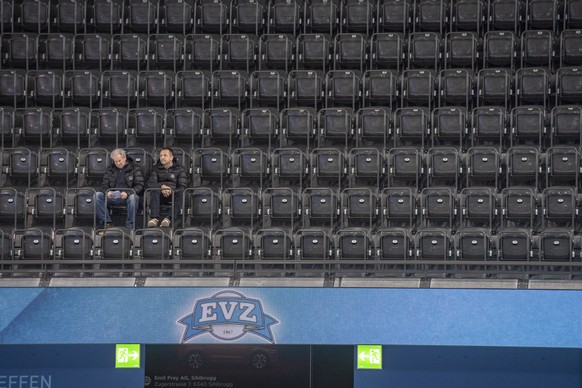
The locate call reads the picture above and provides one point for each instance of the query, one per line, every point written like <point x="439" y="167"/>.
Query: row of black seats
<point x="370" y="167"/>
<point x="277" y="252"/>
<point x="351" y="51"/>
<point x="209" y="16"/>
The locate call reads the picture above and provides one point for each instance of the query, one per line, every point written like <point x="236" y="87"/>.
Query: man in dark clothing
<point x="123" y="174"/>
<point x="169" y="180"/>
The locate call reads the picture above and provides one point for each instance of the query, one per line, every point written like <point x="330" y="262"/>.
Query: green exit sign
<point x="127" y="355"/>
<point x="369" y="356"/>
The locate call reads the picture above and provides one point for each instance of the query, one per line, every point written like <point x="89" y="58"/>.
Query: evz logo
<point x="228" y="315"/>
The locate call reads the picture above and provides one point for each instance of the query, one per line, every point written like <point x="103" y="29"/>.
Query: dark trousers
<point x="157" y="200"/>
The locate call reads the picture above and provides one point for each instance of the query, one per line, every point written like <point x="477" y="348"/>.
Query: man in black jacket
<point x="168" y="181"/>
<point x="123" y="174"/>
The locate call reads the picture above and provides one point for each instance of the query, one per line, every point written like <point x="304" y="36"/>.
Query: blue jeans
<point x="132" y="203"/>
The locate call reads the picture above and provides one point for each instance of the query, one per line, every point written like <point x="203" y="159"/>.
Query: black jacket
<point x="174" y="177"/>
<point x="133" y="176"/>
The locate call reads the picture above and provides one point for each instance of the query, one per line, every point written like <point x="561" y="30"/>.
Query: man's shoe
<point x="153" y="223"/>
<point x="165" y="222"/>
<point x="109" y="225"/>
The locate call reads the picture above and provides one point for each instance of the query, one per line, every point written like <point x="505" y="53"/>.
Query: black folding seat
<point x="534" y="86"/>
<point x="80" y="207"/>
<point x="191" y="245"/>
<point x="572" y="14"/>
<point x="212" y="16"/>
<point x="468" y="15"/>
<point x="570" y="41"/>
<point x="211" y="165"/>
<point x="499" y="49"/>
<point x="556" y="245"/>
<point x="353" y="248"/>
<point x="489" y="126"/>
<point x="7" y="15"/>
<point x="285" y="16"/>
<point x="439" y="207"/>
<point x="110" y="125"/>
<point x="444" y="167"/>
<point x="560" y="206"/>
<point x="328" y="167"/>
<point x="230" y="88"/>
<point x="405" y="167"/>
<point x="20" y="167"/>
<point x="306" y="88"/>
<point x="268" y="88"/>
<point x="380" y="88"/>
<point x="45" y="207"/>
<point x="450" y="125"/>
<point x="418" y="88"/>
<point x="177" y="16"/>
<point x="20" y="51"/>
<point x="431" y="15"/>
<point x="335" y="126"/>
<point x="32" y="252"/>
<point x="462" y="49"/>
<point x="494" y="87"/>
<point x="424" y="50"/>
<point x="479" y="207"/>
<point x="505" y="15"/>
<point x="241" y="206"/>
<point x="320" y="206"/>
<point x="456" y="87"/>
<point x="239" y="51"/>
<point x="537" y="48"/>
<point x="142" y="158"/>
<point x="343" y="88"/>
<point x="193" y="88"/>
<point x="202" y="207"/>
<point x="58" y="167"/>
<point x="261" y="126"/>
<point x="281" y="207"/>
<point x="35" y="126"/>
<point x="322" y="16"/>
<point x="563" y="166"/>
<point x="314" y="249"/>
<point x="514" y="244"/>
<point x="34" y="15"/>
<point x="119" y="88"/>
<point x="93" y="162"/>
<point x="411" y="126"/>
<point x="289" y="166"/>
<point x="202" y="52"/>
<point x="151" y="247"/>
<point x="113" y="252"/>
<point x="543" y="14"/>
<point x="75" y="245"/>
<point x="366" y="167"/>
<point x="166" y="52"/>
<point x="70" y="16"/>
<point x="6" y="127"/>
<point x="248" y="16"/>
<point x="142" y="16"/>
<point x="359" y="16"/>
<point x="394" y="16"/>
<point x="155" y="88"/>
<point x="146" y="126"/>
<point x="387" y="51"/>
<point x="183" y="127"/>
<point x="528" y="125"/>
<point x="359" y="207"/>
<point x="519" y="207"/>
<point x="434" y="244"/>
<point x="250" y="166"/>
<point x="399" y="207"/>
<point x="350" y="51"/>
<point x="566" y="125"/>
<point x="373" y="125"/>
<point x="46" y="87"/>
<point x="473" y="244"/>
<point x="83" y="87"/>
<point x="483" y="166"/>
<point x="568" y="89"/>
<point x="276" y="51"/>
<point x="314" y="51"/>
<point x="73" y="126"/>
<point x="13" y="206"/>
<point x="222" y="125"/>
<point x="92" y="51"/>
<point x="392" y="244"/>
<point x="129" y="52"/>
<point x="298" y="126"/>
<point x="273" y="244"/>
<point x="523" y="166"/>
<point x="107" y="16"/>
<point x="13" y="87"/>
<point x="56" y="51"/>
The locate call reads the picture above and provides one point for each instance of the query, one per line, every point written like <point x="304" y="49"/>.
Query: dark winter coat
<point x="133" y="176"/>
<point x="175" y="177"/>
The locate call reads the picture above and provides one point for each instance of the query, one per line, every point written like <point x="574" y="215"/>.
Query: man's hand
<point x="166" y="190"/>
<point x="123" y="195"/>
<point x="110" y="194"/>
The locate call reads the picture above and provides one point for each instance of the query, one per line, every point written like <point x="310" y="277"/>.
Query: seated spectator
<point x="123" y="183"/>
<point x="168" y="181"/>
